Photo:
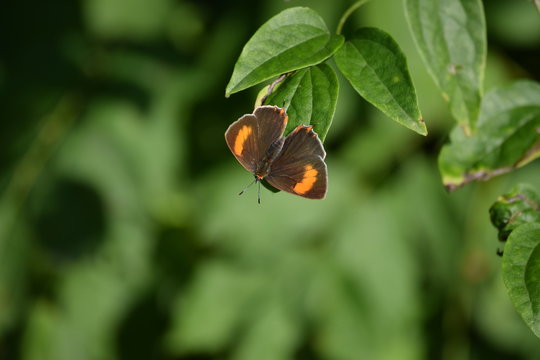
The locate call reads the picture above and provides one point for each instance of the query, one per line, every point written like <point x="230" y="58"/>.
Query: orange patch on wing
<point x="310" y="177"/>
<point x="241" y="138"/>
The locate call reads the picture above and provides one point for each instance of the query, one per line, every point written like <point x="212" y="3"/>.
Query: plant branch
<point x="348" y="13"/>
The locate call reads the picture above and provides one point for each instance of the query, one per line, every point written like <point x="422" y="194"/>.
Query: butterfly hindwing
<point x="306" y="177"/>
<point x="299" y="168"/>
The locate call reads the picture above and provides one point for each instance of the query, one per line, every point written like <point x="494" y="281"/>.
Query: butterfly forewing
<point x="272" y="122"/>
<point x="250" y="137"/>
<point x="241" y="138"/>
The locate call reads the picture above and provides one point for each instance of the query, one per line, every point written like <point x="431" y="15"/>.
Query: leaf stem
<point x="272" y="85"/>
<point x="348" y="13"/>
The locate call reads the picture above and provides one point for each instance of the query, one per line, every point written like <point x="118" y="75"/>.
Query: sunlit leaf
<point x="291" y="40"/>
<point x="377" y="69"/>
<point x="451" y="37"/>
<point x="508" y="137"/>
<point x="521" y="273"/>
<point x="310" y="96"/>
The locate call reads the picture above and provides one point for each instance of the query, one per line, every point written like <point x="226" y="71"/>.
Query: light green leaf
<point x="508" y="137"/>
<point x="291" y="40"/>
<point x="519" y="206"/>
<point x="451" y="38"/>
<point x="310" y="96"/>
<point x="521" y="273"/>
<point x="377" y="69"/>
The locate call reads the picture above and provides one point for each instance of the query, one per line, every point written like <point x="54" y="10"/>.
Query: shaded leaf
<point x="377" y="69"/>
<point x="310" y="96"/>
<point x="451" y="38"/>
<point x="520" y="206"/>
<point x="291" y="40"/>
<point x="508" y="137"/>
<point x="521" y="273"/>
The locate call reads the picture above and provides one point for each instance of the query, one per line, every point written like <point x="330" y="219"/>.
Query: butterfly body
<point x="294" y="163"/>
<point x="265" y="165"/>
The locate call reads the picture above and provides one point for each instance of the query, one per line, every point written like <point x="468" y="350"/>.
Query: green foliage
<point x="507" y="137"/>
<point x="495" y="134"/>
<point x="296" y="39"/>
<point x="376" y="67"/>
<point x="521" y="272"/>
<point x="517" y="217"/>
<point x="520" y="206"/>
<point x="122" y="235"/>
<point x="289" y="41"/>
<point x="310" y="97"/>
<point x="451" y="37"/>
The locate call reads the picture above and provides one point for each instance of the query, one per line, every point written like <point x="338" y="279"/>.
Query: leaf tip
<point x="228" y="92"/>
<point x="422" y="129"/>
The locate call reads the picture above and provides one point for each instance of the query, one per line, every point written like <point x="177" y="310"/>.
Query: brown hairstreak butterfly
<point x="294" y="163"/>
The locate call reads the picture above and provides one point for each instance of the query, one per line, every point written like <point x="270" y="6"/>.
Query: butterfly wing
<point x="250" y="137"/>
<point x="300" y="168"/>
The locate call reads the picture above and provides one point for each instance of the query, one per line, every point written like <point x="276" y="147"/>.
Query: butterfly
<point x="292" y="163"/>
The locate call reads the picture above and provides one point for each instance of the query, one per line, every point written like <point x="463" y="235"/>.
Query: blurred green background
<point x="122" y="235"/>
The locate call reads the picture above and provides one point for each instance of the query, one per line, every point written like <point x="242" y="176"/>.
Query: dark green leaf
<point x="377" y="69"/>
<point x="310" y="96"/>
<point x="521" y="273"/>
<point x="520" y="206"/>
<point x="451" y="37"/>
<point x="291" y="40"/>
<point x="508" y="137"/>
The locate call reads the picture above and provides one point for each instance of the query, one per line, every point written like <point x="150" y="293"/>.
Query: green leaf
<point x="521" y="273"/>
<point x="451" y="38"/>
<point x="291" y="40"/>
<point x="520" y="206"/>
<point x="377" y="69"/>
<point x="508" y="137"/>
<point x="310" y="96"/>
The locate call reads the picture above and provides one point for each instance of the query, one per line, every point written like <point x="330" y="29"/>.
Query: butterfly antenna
<point x="247" y="187"/>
